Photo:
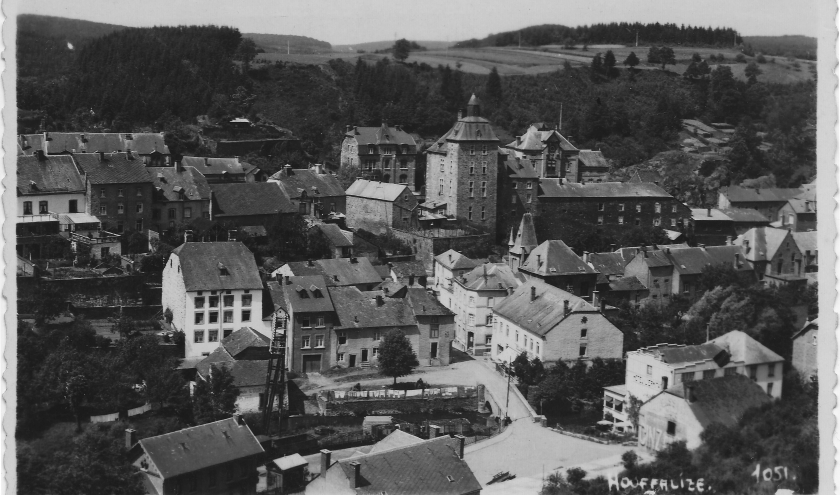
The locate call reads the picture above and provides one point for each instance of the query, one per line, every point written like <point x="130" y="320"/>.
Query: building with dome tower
<point x="462" y="168"/>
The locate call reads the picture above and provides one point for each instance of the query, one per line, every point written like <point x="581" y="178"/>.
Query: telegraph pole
<point x="507" y="401"/>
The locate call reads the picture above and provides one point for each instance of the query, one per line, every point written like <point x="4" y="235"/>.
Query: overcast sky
<point x="356" y="21"/>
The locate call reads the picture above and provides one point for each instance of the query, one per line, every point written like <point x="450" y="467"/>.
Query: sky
<point x="358" y="21"/>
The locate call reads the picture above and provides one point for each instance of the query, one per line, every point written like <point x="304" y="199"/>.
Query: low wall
<point x="359" y="407"/>
<point x="296" y="422"/>
<point x="427" y="247"/>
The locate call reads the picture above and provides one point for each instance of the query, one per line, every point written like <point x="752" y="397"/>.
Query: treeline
<point x="612" y="33"/>
<point x="783" y="46"/>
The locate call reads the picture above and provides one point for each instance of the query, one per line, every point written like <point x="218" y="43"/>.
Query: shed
<point x="371" y="421"/>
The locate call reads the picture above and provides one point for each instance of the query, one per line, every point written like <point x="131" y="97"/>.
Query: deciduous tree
<point x="396" y="357"/>
<point x="401" y="49"/>
<point x="632" y="60"/>
<point x="214" y="397"/>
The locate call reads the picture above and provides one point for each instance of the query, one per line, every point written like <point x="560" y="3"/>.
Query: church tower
<point x="462" y="169"/>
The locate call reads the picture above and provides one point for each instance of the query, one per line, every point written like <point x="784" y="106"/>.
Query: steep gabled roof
<point x="408" y="268"/>
<point x="245" y="372"/>
<point x="396" y="439"/>
<point x="204" y="264"/>
<point x="423" y="304"/>
<point x="555" y="258"/>
<point x="453" y="260"/>
<point x="383" y="134"/>
<point x="809" y="325"/>
<point x="295" y="181"/>
<point x="801" y="205"/>
<point x="333" y="234"/>
<point x="739" y="194"/>
<point x="593" y="159"/>
<point x="526" y="238"/>
<point x="349" y="271"/>
<point x="308" y="294"/>
<point x="235" y="199"/>
<point x="744" y="348"/>
<point x="201" y="447"/>
<point x="112" y="168"/>
<point x="722" y="400"/>
<point x="805" y="241"/>
<point x="173" y="182"/>
<point x="357" y="309"/>
<point x="382" y="191"/>
<point x="214" y="166"/>
<point x="520" y="168"/>
<point x="242" y="339"/>
<point x="51" y="174"/>
<point x="144" y="143"/>
<point x="491" y="276"/>
<point x="761" y="243"/>
<point x="627" y="284"/>
<point x="608" y="263"/>
<point x="552" y="188"/>
<point x="545" y="312"/>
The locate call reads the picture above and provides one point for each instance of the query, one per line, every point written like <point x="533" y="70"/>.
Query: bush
<point x="761" y="59"/>
<point x="740" y="58"/>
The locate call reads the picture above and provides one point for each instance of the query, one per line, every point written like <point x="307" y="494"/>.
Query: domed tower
<point x="462" y="169"/>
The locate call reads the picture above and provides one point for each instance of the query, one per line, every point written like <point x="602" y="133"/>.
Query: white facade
<point x="474" y="316"/>
<point x="511" y="340"/>
<point x="55" y="203"/>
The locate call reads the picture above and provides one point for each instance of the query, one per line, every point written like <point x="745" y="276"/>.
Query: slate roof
<point x="744" y="348"/>
<point x="709" y="215"/>
<point x="535" y="139"/>
<point x="555" y="258"/>
<point x="416" y="469"/>
<point x="655" y="259"/>
<point x="811" y="324"/>
<point x="408" y="268"/>
<point x="308" y="294"/>
<point x="201" y="271"/>
<point x="349" y="272"/>
<point x="334" y="235"/>
<point x="113" y="168"/>
<point x="763" y="242"/>
<point x="722" y="400"/>
<point x="737" y="194"/>
<point x="396" y="439"/>
<point x="383" y="134"/>
<point x="277" y="300"/>
<point x="491" y="276"/>
<point x="423" y="304"/>
<point x="201" y="447"/>
<point x="215" y="166"/>
<point x="245" y="372"/>
<point x="645" y="176"/>
<point x="544" y="313"/>
<point x="628" y="284"/>
<point x="744" y="215"/>
<point x="469" y="128"/>
<point x="144" y="143"/>
<point x="682" y="354"/>
<point x="28" y="144"/>
<point x="382" y="191"/>
<point x="243" y="339"/>
<point x="801" y="205"/>
<point x="357" y="309"/>
<point x="526" y="237"/>
<point x="593" y="159"/>
<point x="551" y="188"/>
<point x="295" y="181"/>
<point x="608" y="263"/>
<point x="249" y="198"/>
<point x="172" y="182"/>
<point x="453" y="260"/>
<point x="51" y="174"/>
<point x="805" y="241"/>
<point x="520" y="168"/>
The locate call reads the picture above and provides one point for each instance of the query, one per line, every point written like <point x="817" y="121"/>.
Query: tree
<point x="214" y="397"/>
<point x="494" y="86"/>
<point x="597" y="64"/>
<point x="396" y="357"/>
<point x="67" y="375"/>
<point x="609" y="63"/>
<point x="752" y="71"/>
<point x="653" y="55"/>
<point x="528" y="372"/>
<point x="696" y="58"/>
<point x="632" y="60"/>
<point x="630" y="459"/>
<point x="666" y="56"/>
<point x="123" y="325"/>
<point x="246" y="51"/>
<point x="48" y="303"/>
<point x="633" y="407"/>
<point x="401" y="49"/>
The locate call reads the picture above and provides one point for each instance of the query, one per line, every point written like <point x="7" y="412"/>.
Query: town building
<point x="339" y="242"/>
<point x="549" y="153"/>
<point x="625" y="290"/>
<point x="774" y="255"/>
<point x="447" y="266"/>
<point x="474" y="295"/>
<point x="684" y="410"/>
<point x="806" y="242"/>
<point x="383" y="154"/>
<point x="50" y="192"/>
<point x="339" y="272"/>
<point x="646" y="176"/>
<point x="214" y="458"/>
<point x="798" y="215"/>
<point x="433" y="466"/>
<point x="313" y="192"/>
<point x="181" y="195"/>
<point x="217" y="170"/>
<point x="743" y="219"/>
<point x="518" y="191"/>
<point x="411" y="273"/>
<point x="521" y="245"/>
<point x="211" y="288"/>
<point x="311" y="318"/>
<point x="556" y="264"/>
<point x="462" y="169"/>
<point x="712" y="227"/>
<point x="767" y="201"/>
<point x="287" y="474"/>
<point x="553" y="325"/>
<point x="240" y="204"/>
<point x="119" y="191"/>
<point x="149" y="146"/>
<point x="378" y="206"/>
<point x="805" y="342"/>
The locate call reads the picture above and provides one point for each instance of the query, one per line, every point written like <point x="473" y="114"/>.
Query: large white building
<point x="447" y="266"/>
<point x="212" y="289"/>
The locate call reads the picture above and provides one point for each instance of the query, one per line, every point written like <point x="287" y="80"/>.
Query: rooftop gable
<point x="491" y="276"/>
<point x="180" y="184"/>
<point x="112" y="168"/>
<point x="382" y="191"/>
<point x="545" y="311"/>
<point x="453" y="260"/>
<point x="722" y="400"/>
<point x="297" y="181"/>
<point x="383" y="134"/>
<point x="217" y="266"/>
<point x="214" y="166"/>
<point x="307" y="294"/>
<point x="553" y="188"/>
<point x="50" y="174"/>
<point x="250" y="198"/>
<point x="555" y="258"/>
<point x="526" y="238"/>
<point x="746" y="349"/>
<point x="242" y="339"/>
<point x="357" y="309"/>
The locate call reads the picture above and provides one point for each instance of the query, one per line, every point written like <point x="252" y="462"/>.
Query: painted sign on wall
<point x="651" y="438"/>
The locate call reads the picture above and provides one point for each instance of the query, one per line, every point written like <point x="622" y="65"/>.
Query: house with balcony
<point x="212" y="289"/>
<point x="313" y="192"/>
<point x="553" y="325"/>
<point x="446" y="267"/>
<point x="475" y="294"/>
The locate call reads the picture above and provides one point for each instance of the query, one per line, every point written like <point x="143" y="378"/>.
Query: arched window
<point x="403" y="179"/>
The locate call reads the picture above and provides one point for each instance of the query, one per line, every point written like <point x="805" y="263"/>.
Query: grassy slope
<point x="296" y="44"/>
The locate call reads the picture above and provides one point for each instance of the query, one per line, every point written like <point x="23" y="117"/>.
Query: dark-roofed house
<point x="553" y="325"/>
<point x="551" y="154"/>
<point x="767" y="201"/>
<point x="711" y="226"/>
<point x="474" y="295"/>
<point x="683" y="411"/>
<point x="119" y="190"/>
<point x="181" y="196"/>
<point x="221" y="169"/>
<point x="774" y="255"/>
<point x="312" y="191"/>
<point x="376" y="206"/>
<point x="556" y="264"/>
<point x="214" y="458"/>
<point x="385" y="153"/>
<point x="340" y="243"/>
<point x="592" y="167"/>
<point x="339" y="272"/>
<point x="804" y="357"/>
<point x="433" y="466"/>
<point x="462" y="169"/>
<point x="249" y="204"/>
<point x="518" y="190"/>
<point x="447" y="266"/>
<point x="149" y="146"/>
<point x="312" y="318"/>
<point x="211" y="288"/>
<point x="798" y="214"/>
<point x="409" y="272"/>
<point x="48" y="188"/>
<point x="743" y="219"/>
<point x="646" y="176"/>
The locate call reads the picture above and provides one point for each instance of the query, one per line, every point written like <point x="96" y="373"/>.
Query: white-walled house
<point x="448" y="265"/>
<point x="553" y="325"/>
<point x="212" y="289"/>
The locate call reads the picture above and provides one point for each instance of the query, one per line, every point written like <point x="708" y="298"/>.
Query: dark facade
<point x="119" y="191"/>
<point x="384" y="154"/>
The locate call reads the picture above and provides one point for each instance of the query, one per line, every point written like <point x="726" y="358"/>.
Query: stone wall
<point x="408" y="405"/>
<point x="426" y="246"/>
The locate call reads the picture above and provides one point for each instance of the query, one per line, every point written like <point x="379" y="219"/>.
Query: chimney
<point x="130" y="438"/>
<point x="347" y="129"/>
<point x="240" y="421"/>
<point x="326" y="455"/>
<point x="594" y="297"/>
<point x="603" y="304"/>
<point x="533" y="293"/>
<point x="310" y="263"/>
<point x="206" y="162"/>
<point x="708" y="212"/>
<point x="450" y="257"/>
<point x="356" y="477"/>
<point x="379" y="300"/>
<point x="353" y="260"/>
<point x="410" y="280"/>
<point x="586" y="257"/>
<point x="40" y="154"/>
<point x="178" y="167"/>
<point x="729" y="240"/>
<point x="434" y="431"/>
<point x="566" y="307"/>
<point x="702" y="246"/>
<point x="539" y="260"/>
<point x="335" y="278"/>
<point x="612" y="247"/>
<point x="288" y="280"/>
<point x="461" y="440"/>
<point x="287" y="170"/>
<point x="211" y="204"/>
<point x="101" y="155"/>
<point x="460" y="115"/>
<point x="688" y="391"/>
<point x="510" y="290"/>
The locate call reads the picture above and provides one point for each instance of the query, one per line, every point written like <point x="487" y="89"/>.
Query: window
<point x="27" y="207"/>
<point x="101" y="192"/>
<point x="649" y="369"/>
<point x="138" y="225"/>
<point x="305" y="342"/>
<point x="472" y="189"/>
<point x="484" y="168"/>
<point x="672" y="428"/>
<point x="120" y="192"/>
<point x="708" y="374"/>
<point x="491" y="302"/>
<point x="305" y="322"/>
<point x="228" y="315"/>
<point x="376" y="335"/>
<point x="638" y="208"/>
<point x="214" y="301"/>
<point x="103" y="210"/>
<point x="472" y="150"/>
<point x="729" y="371"/>
<point x="483" y="213"/>
<point x="600" y="219"/>
<point x="673" y="222"/>
<point x="529" y="185"/>
<point x="246" y="315"/>
<point x="171" y="214"/>
<point x="583" y="333"/>
<point x="621" y="220"/>
<point x="770" y="389"/>
<point x="319" y="321"/>
<point x="620" y="206"/>
<point x="657" y="222"/>
<point x="434" y="328"/>
<point x="488" y="321"/>
<point x="582" y="352"/>
<point x="213" y="336"/>
<point x="568" y="167"/>
<point x="513" y="198"/>
<point x="753" y="370"/>
<point x="771" y="370"/>
<point x="187" y="212"/>
<point x="73" y="207"/>
<point x="226" y="333"/>
<point x="199" y="318"/>
<point x="120" y="208"/>
<point x="139" y="192"/>
<point x="340" y="357"/>
<point x="138" y="207"/>
<point x="483" y="148"/>
<point x="471" y="319"/>
<point x="814" y="340"/>
<point x="517" y="336"/>
<point x="120" y="227"/>
<point x="342" y="338"/>
<point x="483" y="189"/>
<point x="657" y="208"/>
<point x="637" y="222"/>
<point x="198" y="336"/>
<point x="469" y="210"/>
<point x="228" y="300"/>
<point x="319" y="341"/>
<point x="528" y="198"/>
<point x="507" y="330"/>
<point x="214" y="317"/>
<point x="246" y="300"/>
<point x="600" y="206"/>
<point x="472" y="168"/>
<point x="43" y="207"/>
<point x="440" y="188"/>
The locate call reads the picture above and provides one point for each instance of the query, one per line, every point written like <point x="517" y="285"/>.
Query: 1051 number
<point x="777" y="473"/>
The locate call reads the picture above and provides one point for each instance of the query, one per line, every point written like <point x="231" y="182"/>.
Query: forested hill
<point x="612" y="33"/>
<point x="42" y="42"/>
<point x="282" y="42"/>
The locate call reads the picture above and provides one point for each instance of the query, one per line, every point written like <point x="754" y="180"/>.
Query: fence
<point x="451" y="392"/>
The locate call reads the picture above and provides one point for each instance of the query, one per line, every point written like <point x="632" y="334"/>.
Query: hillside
<point x="784" y="46"/>
<point x="372" y="46"/>
<point x="42" y="43"/>
<point x="295" y="44"/>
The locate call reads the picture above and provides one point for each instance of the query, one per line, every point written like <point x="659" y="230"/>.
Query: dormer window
<point x="302" y="293"/>
<point x="223" y="271"/>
